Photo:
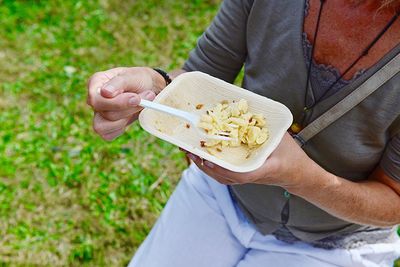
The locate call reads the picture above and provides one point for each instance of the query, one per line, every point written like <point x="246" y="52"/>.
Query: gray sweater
<point x="266" y="37"/>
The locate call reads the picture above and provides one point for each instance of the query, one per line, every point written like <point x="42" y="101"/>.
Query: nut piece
<point x="199" y="106"/>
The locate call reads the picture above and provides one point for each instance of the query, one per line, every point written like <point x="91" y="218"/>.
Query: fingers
<point x="115" y="95"/>
<point x="213" y="170"/>
<point x="111" y="136"/>
<point x="133" y="114"/>
<point x="226" y="176"/>
<point x="134" y="80"/>
<point x="132" y="118"/>
<point x="108" y="129"/>
<point x="122" y="102"/>
<point x="119" y="115"/>
<point x="116" y="86"/>
<point x="100" y="78"/>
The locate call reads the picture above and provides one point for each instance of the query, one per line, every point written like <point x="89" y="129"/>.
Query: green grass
<point x="66" y="196"/>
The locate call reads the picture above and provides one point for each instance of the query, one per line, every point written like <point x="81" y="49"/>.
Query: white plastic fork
<point x="193" y="119"/>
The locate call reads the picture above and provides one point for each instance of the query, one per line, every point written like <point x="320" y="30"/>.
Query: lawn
<point x="68" y="198"/>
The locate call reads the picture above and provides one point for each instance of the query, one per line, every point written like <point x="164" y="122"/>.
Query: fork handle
<point x="170" y="110"/>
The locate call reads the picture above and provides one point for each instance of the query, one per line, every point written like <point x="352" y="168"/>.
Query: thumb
<point x="134" y="101"/>
<point x="126" y="82"/>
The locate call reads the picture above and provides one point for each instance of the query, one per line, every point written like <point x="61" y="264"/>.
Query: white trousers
<point x="201" y="227"/>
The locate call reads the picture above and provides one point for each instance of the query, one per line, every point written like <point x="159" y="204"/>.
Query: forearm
<point x="175" y="73"/>
<point x="369" y="202"/>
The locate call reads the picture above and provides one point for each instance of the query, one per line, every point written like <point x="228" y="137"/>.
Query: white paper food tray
<point x="193" y="88"/>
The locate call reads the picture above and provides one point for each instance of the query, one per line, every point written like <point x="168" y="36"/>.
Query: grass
<point x="68" y="198"/>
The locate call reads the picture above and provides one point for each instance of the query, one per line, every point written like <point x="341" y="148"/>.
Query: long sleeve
<point x="221" y="50"/>
<point x="390" y="161"/>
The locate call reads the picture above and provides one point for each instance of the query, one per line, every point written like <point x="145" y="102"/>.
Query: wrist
<point x="314" y="179"/>
<point x="158" y="80"/>
<point x="165" y="75"/>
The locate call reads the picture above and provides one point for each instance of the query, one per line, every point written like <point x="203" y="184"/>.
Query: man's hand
<point x="115" y="94"/>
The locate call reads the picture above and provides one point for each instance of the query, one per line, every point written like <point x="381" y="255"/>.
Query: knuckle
<point x="112" y="136"/>
<point x="132" y="118"/>
<point x="98" y="128"/>
<point x="95" y="76"/>
<point x="119" y="79"/>
<point x="89" y="100"/>
<point x="92" y="79"/>
<point x="107" y="137"/>
<point x="112" y="104"/>
<point x="122" y="103"/>
<point x="111" y="116"/>
<point x="132" y="70"/>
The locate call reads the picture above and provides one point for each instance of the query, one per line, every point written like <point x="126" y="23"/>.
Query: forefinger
<point x="219" y="173"/>
<point x="120" y="102"/>
<point x="98" y="79"/>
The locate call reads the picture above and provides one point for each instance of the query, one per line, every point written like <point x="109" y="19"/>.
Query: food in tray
<point x="233" y="119"/>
